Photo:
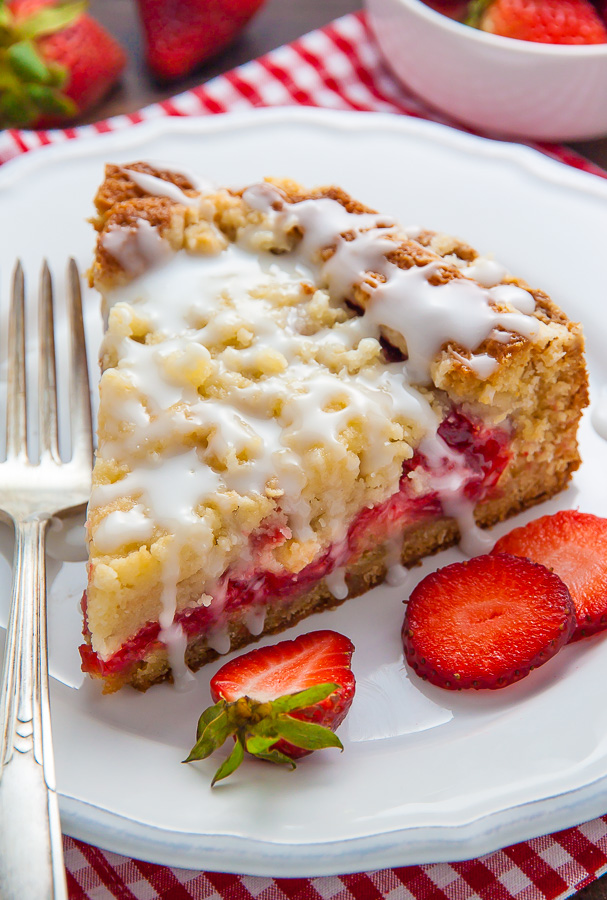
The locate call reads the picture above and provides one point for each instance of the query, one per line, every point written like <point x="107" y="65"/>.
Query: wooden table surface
<point x="278" y="22"/>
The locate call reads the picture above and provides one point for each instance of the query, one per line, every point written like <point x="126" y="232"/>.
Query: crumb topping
<point x="246" y="382"/>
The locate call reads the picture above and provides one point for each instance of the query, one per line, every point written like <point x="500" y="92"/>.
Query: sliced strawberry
<point x="487" y="622"/>
<point x="574" y="545"/>
<point x="281" y="702"/>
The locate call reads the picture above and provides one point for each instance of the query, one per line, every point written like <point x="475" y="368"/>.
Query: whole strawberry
<point x="279" y="703"/>
<point x="181" y="34"/>
<point x="542" y="21"/>
<point x="55" y="62"/>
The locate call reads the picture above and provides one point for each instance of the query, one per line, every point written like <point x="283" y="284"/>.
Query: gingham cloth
<point x="337" y="67"/>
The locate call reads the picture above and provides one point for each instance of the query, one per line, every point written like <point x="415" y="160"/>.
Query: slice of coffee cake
<point x="298" y="397"/>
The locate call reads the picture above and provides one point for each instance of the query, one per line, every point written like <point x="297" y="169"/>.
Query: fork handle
<point x="31" y="855"/>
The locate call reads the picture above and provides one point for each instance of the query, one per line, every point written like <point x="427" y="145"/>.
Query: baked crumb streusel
<point x="297" y="395"/>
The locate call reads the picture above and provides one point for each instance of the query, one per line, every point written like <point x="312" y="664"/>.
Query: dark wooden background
<point x="278" y="22"/>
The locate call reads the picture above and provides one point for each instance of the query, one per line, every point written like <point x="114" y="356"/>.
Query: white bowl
<point x="499" y="85"/>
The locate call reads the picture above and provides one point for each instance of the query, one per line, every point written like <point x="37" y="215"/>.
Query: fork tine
<point x="80" y="400"/>
<point x="47" y="392"/>
<point x="16" y="416"/>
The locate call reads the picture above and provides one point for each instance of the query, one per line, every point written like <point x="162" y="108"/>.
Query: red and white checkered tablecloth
<point x="336" y="67"/>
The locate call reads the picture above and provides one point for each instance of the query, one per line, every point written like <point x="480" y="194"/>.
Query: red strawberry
<point x="181" y="34"/>
<point x="543" y="21"/>
<point x="486" y="623"/>
<point x="454" y="9"/>
<point x="55" y="62"/>
<point x="280" y="702"/>
<point x="574" y="545"/>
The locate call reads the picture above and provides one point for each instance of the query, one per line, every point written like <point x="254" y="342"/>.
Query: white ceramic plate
<point x="427" y="775"/>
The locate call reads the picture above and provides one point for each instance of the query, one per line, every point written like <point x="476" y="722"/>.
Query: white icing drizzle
<point x="448" y="478"/>
<point x="158" y="187"/>
<point x="427" y="315"/>
<point x="397" y="575"/>
<point x="171" y="488"/>
<point x="120" y="528"/>
<point x="518" y="298"/>
<point x="486" y="271"/>
<point x="254" y="619"/>
<point x="169" y="492"/>
<point x="176" y="642"/>
<point x="211" y="319"/>
<point x="336" y="582"/>
<point x="502" y="337"/>
<point x="482" y="364"/>
<point x="136" y="248"/>
<point x="202" y="185"/>
<point x="219" y="640"/>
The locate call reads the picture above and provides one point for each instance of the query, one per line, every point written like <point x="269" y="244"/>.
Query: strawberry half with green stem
<point x="182" y="34"/>
<point x="486" y="623"/>
<point x="55" y="62"/>
<point x="279" y="703"/>
<point x="574" y="545"/>
<point x="542" y="21"/>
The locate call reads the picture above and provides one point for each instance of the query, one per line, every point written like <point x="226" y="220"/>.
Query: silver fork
<point x="31" y="493"/>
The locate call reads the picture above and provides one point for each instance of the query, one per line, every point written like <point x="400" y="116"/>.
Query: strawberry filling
<point x="486" y="455"/>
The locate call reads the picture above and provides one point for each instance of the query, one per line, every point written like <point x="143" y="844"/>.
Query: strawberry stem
<point x="50" y="101"/>
<point x="230" y="764"/>
<point x="49" y="20"/>
<point x="258" y="726"/>
<point x="476" y="11"/>
<point x="6" y="19"/>
<point x="27" y="63"/>
<point x="16" y="109"/>
<point x="29" y="86"/>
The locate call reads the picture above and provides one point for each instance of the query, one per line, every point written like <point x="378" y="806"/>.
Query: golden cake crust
<point x="120" y="202"/>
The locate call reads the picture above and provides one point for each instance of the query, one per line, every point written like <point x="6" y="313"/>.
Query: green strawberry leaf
<point x="266" y="728"/>
<point x="58" y="75"/>
<point x="208" y="716"/>
<point x="275" y="756"/>
<point x="8" y="79"/>
<point x="307" y="735"/>
<point x="476" y="10"/>
<point x="230" y="764"/>
<point x="303" y="699"/>
<point x="27" y="62"/>
<point x="50" y="20"/>
<point x="16" y="109"/>
<point x="257" y="744"/>
<point x="214" y="734"/>
<point x="258" y="726"/>
<point x="6" y="17"/>
<point x="51" y="101"/>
